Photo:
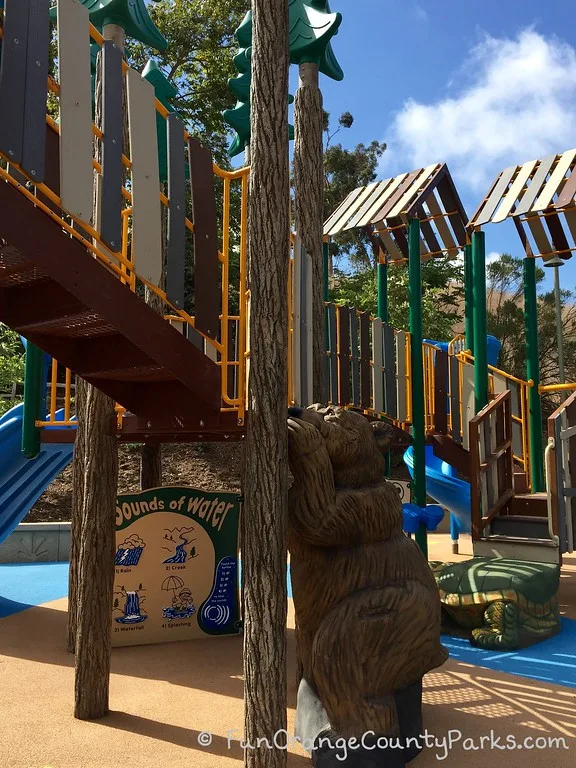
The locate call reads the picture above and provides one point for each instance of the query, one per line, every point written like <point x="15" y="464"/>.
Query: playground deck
<point x="163" y="697"/>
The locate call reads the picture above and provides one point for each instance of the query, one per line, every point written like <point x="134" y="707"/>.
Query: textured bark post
<point x="96" y="558"/>
<point x="309" y="206"/>
<point x="266" y="476"/>
<point x="96" y="485"/>
<point x="76" y="519"/>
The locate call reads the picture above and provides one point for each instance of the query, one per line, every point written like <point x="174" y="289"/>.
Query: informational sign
<point x="176" y="567"/>
<point x="403" y="489"/>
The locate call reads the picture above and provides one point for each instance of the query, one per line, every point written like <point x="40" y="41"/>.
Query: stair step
<point x="520" y="482"/>
<point x="523" y="526"/>
<point x="64" y="301"/>
<point x="545" y="542"/>
<point x="532" y="504"/>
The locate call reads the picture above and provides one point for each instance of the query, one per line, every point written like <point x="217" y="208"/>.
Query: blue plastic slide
<point x="445" y="488"/>
<point x="22" y="480"/>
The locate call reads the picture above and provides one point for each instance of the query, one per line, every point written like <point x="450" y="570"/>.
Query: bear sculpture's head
<point x="356" y="447"/>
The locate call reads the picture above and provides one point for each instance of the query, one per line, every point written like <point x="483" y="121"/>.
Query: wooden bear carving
<point x="367" y="606"/>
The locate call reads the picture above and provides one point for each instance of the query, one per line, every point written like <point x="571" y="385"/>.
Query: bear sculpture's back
<point x="366" y="603"/>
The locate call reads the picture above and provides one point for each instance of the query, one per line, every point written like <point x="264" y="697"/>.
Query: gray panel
<point x="113" y="128"/>
<point x="561" y="500"/>
<point x="390" y="398"/>
<point x="333" y="347"/>
<point x="176" y="246"/>
<point x="454" y="375"/>
<point x="76" y="149"/>
<point x="517" y="445"/>
<point x="354" y="357"/>
<point x="468" y="402"/>
<point x="13" y="78"/>
<point x="34" y="139"/>
<point x="196" y="338"/>
<point x="377" y="360"/>
<point x="146" y="214"/>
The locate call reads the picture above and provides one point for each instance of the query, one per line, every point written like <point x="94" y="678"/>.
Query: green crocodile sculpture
<point x="500" y="604"/>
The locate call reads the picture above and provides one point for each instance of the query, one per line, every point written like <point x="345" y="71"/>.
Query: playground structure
<point x="73" y="287"/>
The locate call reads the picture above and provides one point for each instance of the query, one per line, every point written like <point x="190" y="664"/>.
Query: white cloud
<point x="516" y="102"/>
<point x="420" y="13"/>
<point x="492" y="257"/>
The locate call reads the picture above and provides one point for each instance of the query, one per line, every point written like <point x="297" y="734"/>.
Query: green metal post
<point x="533" y="374"/>
<point x="417" y="381"/>
<point x="383" y="291"/>
<point x="32" y="401"/>
<point x="382" y="285"/>
<point x="469" y="298"/>
<point x="480" y="331"/>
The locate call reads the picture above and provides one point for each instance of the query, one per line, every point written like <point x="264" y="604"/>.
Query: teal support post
<point x="383" y="291"/>
<point x="469" y="298"/>
<point x="417" y="382"/>
<point x="32" y="401"/>
<point x="533" y="374"/>
<point x="480" y="329"/>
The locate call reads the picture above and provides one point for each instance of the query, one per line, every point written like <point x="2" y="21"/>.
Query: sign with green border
<point x="176" y="566"/>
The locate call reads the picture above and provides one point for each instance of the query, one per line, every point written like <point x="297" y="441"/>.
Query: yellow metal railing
<point x="121" y="263"/>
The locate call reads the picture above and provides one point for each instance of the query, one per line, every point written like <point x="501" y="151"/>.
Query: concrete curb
<point x="37" y="543"/>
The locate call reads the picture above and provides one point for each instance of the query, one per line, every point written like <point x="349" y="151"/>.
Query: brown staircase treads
<point x="532" y="504"/>
<point x="78" y="285"/>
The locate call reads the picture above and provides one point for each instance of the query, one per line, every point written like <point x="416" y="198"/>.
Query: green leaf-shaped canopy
<point x="131" y="15"/>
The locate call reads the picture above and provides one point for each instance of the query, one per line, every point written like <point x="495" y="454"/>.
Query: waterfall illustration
<point x="132" y="610"/>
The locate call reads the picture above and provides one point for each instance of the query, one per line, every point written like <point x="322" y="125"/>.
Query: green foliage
<point x="198" y="61"/>
<point x="345" y="170"/>
<point x="11" y="364"/>
<point x="441" y="295"/>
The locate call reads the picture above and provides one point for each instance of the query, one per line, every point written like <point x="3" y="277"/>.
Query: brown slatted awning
<point x="540" y="197"/>
<point x="385" y="207"/>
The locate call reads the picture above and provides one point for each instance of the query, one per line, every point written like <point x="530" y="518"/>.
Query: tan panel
<point x="337" y="213"/>
<point x="386" y="196"/>
<point x="441" y="225"/>
<point x="392" y="249"/>
<point x="570" y="217"/>
<point x="146" y="215"/>
<point x="376" y="191"/>
<point x="551" y="187"/>
<point x="76" y="173"/>
<point x="358" y="203"/>
<point x="342" y="213"/>
<point x="514" y="192"/>
<point x="500" y="383"/>
<point x="374" y="205"/>
<point x="539" y="235"/>
<point x="407" y="196"/>
<point x="401" y="375"/>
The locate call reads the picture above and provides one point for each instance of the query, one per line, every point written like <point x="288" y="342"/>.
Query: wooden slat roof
<point x="384" y="209"/>
<point x="540" y="198"/>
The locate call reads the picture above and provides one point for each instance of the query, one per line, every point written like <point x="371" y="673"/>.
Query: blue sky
<point x="479" y="84"/>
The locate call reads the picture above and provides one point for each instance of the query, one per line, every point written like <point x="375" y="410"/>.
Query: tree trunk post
<point x="266" y="490"/>
<point x="93" y="516"/>
<point x="309" y="206"/>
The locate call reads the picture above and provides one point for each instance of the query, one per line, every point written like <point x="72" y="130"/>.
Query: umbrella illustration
<point x="172" y="582"/>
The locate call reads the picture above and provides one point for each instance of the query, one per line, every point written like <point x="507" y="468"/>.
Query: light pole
<point x="556" y="262"/>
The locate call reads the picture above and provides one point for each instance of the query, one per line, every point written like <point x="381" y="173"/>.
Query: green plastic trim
<point x="131" y="15"/>
<point x="32" y="401"/>
<point x="480" y="322"/>
<point x="312" y="27"/>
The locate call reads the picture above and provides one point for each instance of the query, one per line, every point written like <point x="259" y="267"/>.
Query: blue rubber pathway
<point x="553" y="661"/>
